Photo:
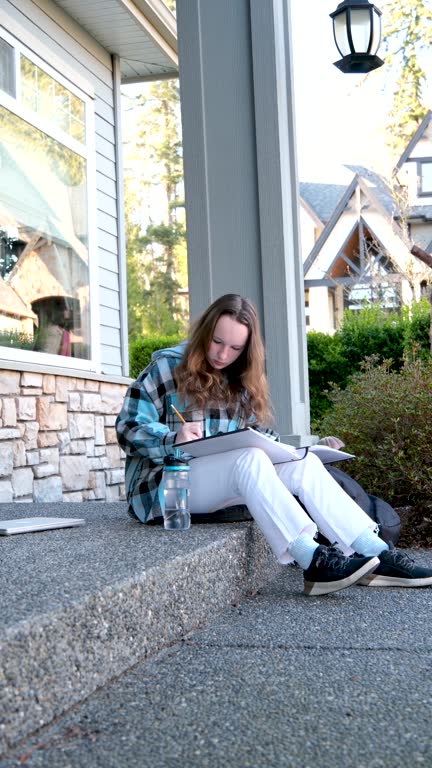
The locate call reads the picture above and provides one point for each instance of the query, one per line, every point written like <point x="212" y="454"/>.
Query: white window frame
<point x="421" y="162"/>
<point x="88" y="152"/>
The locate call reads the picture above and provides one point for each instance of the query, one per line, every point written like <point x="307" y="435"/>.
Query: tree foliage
<point x="156" y="247"/>
<point x="407" y="33"/>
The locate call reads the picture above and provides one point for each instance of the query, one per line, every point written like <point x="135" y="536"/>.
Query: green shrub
<point x="372" y="332"/>
<point x="384" y="417"/>
<point x="417" y="327"/>
<point x="326" y="366"/>
<point x="140" y="352"/>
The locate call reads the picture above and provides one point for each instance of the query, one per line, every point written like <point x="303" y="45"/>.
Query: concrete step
<point x="80" y="606"/>
<point x="278" y="681"/>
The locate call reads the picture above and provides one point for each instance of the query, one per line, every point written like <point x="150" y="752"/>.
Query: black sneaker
<point x="330" y="571"/>
<point x="397" y="569"/>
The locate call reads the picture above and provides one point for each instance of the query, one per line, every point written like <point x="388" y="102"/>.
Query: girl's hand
<point x="332" y="442"/>
<point x="189" y="431"/>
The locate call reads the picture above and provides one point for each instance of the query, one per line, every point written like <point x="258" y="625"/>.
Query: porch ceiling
<point x="143" y="33"/>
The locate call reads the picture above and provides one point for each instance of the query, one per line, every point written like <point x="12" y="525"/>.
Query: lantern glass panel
<point x="360" y="29"/>
<point x="340" y="33"/>
<point x="376" y="32"/>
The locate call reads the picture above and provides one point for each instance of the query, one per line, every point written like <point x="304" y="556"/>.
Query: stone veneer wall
<point x="57" y="438"/>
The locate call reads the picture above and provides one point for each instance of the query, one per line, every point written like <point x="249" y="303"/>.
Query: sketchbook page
<point x="243" y="438"/>
<point x="250" y="438"/>
<point x="330" y="455"/>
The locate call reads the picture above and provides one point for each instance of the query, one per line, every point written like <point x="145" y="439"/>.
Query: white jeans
<point x="247" y="476"/>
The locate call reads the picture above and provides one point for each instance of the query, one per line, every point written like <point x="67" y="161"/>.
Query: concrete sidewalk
<point x="273" y="680"/>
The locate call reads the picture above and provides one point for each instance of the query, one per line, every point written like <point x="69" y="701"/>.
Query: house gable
<point x="358" y="219"/>
<point x="412" y="148"/>
<point x="413" y="173"/>
<point x="331" y="223"/>
<point x="368" y="237"/>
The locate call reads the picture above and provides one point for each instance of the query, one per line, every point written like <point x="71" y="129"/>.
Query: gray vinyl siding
<point x="105" y="185"/>
<point x="107" y="260"/>
<point x="108" y="279"/>
<point x="104" y="128"/>
<point x="110" y="316"/>
<point x="107" y="241"/>
<point x="106" y="202"/>
<point x="105" y="166"/>
<point x="57" y="39"/>
<point x="107" y="223"/>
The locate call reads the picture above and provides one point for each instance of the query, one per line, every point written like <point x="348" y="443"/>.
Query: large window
<point x="44" y="260"/>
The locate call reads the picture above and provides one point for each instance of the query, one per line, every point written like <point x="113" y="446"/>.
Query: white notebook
<point x="250" y="438"/>
<point x="30" y="524"/>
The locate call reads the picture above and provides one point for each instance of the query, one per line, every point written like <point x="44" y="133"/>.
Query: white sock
<point x="369" y="544"/>
<point x="302" y="550"/>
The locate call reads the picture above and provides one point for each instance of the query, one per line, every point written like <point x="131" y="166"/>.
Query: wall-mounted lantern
<point x="357" y="34"/>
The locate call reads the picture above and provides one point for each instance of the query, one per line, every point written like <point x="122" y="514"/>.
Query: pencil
<point x="178" y="413"/>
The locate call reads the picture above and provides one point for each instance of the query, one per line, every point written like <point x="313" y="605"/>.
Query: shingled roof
<point x="322" y="198"/>
<point x="420" y="212"/>
<point x="378" y="186"/>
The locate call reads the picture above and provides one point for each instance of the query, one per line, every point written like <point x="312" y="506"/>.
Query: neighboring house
<point x="413" y="173"/>
<point x="63" y="331"/>
<point x="357" y="239"/>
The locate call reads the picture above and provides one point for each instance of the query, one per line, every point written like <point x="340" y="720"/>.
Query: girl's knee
<point x="300" y="471"/>
<point x="313" y="464"/>
<point x="253" y="457"/>
<point x="312" y="460"/>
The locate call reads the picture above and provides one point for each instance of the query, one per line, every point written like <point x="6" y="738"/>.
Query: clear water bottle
<point x="175" y="483"/>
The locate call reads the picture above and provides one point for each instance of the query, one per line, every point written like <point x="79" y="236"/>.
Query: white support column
<point x="282" y="268"/>
<point x="240" y="180"/>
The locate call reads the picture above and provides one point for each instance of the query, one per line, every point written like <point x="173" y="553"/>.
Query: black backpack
<point x="384" y="515"/>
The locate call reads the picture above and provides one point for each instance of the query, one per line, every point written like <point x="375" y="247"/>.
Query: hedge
<point x="140" y="352"/>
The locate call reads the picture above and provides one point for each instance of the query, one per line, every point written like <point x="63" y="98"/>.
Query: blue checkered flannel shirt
<point x="147" y="426"/>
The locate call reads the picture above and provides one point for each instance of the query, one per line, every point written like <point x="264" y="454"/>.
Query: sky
<point x="340" y="118"/>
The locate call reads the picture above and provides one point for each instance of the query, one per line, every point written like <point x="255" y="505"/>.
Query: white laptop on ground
<point x="30" y="524"/>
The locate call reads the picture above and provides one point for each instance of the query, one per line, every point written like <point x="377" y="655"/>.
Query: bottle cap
<point x="175" y="462"/>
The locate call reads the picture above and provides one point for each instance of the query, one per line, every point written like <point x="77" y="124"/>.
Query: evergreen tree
<point x="134" y="274"/>
<point x="156" y="247"/>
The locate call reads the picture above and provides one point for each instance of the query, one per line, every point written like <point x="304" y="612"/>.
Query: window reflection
<point x="43" y="94"/>
<point x="7" y="68"/>
<point x="44" y="278"/>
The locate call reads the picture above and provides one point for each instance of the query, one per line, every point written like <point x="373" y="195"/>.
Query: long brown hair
<point x="245" y="378"/>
